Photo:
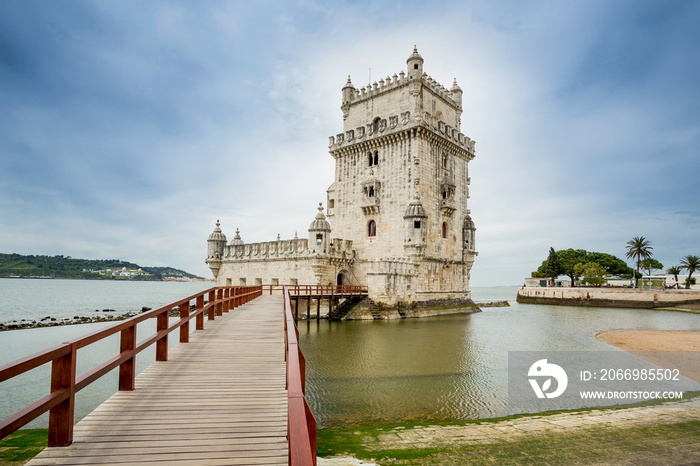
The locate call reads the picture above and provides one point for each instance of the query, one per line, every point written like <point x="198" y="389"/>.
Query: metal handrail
<point x="64" y="384"/>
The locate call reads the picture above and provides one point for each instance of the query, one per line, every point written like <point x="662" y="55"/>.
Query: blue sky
<point x="128" y="128"/>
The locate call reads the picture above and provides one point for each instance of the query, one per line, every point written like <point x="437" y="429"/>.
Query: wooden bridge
<point x="232" y="393"/>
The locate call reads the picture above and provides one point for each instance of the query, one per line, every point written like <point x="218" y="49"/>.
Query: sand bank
<point x="671" y="349"/>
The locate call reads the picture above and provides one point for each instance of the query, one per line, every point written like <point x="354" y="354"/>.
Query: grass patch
<point x="665" y="444"/>
<point x="23" y="445"/>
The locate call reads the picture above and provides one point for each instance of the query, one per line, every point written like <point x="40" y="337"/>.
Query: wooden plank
<point x="219" y="399"/>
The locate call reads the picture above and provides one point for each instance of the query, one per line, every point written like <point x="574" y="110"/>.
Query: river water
<point x="445" y="368"/>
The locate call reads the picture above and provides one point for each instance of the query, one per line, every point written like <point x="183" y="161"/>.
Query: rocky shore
<point x="105" y="315"/>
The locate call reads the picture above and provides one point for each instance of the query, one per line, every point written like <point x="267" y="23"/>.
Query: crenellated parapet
<point x="293" y="248"/>
<point x="375" y="134"/>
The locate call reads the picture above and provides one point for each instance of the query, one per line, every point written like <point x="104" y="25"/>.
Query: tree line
<point x="592" y="268"/>
<point x="66" y="267"/>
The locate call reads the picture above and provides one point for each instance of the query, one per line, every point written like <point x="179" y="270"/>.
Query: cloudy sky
<point x="127" y="128"/>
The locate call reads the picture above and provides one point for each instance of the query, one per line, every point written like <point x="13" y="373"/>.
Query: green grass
<point x="668" y="443"/>
<point x="23" y="445"/>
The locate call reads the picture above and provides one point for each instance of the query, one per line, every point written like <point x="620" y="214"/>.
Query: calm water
<point x="445" y="368"/>
<point x="34" y="299"/>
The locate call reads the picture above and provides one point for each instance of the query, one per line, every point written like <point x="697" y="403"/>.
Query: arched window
<point x="376" y="157"/>
<point x="371" y="228"/>
<point x="375" y="125"/>
<point x="371" y="191"/>
<point x="371" y="159"/>
<point x="444" y="229"/>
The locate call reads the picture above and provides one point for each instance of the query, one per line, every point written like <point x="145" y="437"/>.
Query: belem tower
<point x="396" y="218"/>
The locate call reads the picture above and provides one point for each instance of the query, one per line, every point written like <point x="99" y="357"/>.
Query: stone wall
<point x="608" y="297"/>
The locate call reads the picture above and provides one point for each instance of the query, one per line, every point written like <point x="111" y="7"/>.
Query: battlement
<point x="396" y="124"/>
<point x="298" y="247"/>
<point x="293" y="248"/>
<point x="355" y="96"/>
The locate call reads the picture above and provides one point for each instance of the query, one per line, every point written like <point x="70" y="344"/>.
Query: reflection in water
<point x="447" y="368"/>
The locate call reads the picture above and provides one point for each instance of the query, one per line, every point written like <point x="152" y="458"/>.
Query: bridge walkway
<point x="219" y="399"/>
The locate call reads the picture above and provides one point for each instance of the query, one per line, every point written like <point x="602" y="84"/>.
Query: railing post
<point x="61" y="416"/>
<point x="219" y="306"/>
<point x="198" y="308"/>
<point x="127" y="369"/>
<point x="162" y="343"/>
<point x="185" y="328"/>
<point x="212" y="311"/>
<point x="227" y="294"/>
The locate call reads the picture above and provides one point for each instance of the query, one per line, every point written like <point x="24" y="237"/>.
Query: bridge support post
<point x="185" y="328"/>
<point x="162" y="343"/>
<point x="200" y="317"/>
<point x="212" y="298"/>
<point x="61" y="416"/>
<point x="127" y="369"/>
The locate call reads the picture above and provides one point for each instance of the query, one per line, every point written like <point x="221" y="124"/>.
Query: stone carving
<point x="340" y="138"/>
<point x="405" y="117"/>
<point x="360" y="132"/>
<point x="350" y="135"/>
<point x="393" y="121"/>
<point x="382" y="125"/>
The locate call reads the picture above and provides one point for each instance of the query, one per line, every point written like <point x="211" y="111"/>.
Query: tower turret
<point x="348" y="95"/>
<point x="415" y="65"/>
<point x="456" y="93"/>
<point x="319" y="232"/>
<point x="215" y="249"/>
<point x="469" y="233"/>
<point x="416" y="226"/>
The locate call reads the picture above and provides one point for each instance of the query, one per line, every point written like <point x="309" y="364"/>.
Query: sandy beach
<point x="672" y="349"/>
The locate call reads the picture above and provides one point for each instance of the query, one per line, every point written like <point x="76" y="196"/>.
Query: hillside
<point x="91" y="269"/>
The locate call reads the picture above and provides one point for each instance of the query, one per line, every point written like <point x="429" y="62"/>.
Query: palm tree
<point x="674" y="271"/>
<point x="638" y="248"/>
<point x="691" y="264"/>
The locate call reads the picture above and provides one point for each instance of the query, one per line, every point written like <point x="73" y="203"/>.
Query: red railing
<point x="64" y="384"/>
<point x="301" y="425"/>
<point x="327" y="290"/>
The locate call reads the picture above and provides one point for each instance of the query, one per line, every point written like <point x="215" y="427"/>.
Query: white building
<point x="397" y="219"/>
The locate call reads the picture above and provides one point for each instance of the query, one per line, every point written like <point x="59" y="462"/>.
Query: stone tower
<point x="397" y="219"/>
<point x="401" y="186"/>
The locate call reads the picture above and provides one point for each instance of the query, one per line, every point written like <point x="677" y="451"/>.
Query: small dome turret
<point x="319" y="232"/>
<point x="456" y="93"/>
<point x="348" y="91"/>
<point x="415" y="64"/>
<point x="236" y="241"/>
<point x="415" y="209"/>
<point x="217" y="235"/>
<point x="320" y="223"/>
<point x="469" y="223"/>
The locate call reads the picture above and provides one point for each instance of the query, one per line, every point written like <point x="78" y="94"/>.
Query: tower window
<point x="319" y="239"/>
<point x="444" y="162"/>
<point x="371" y="159"/>
<point x="444" y="194"/>
<point x="375" y="124"/>
<point x="376" y="157"/>
<point x="415" y="66"/>
<point x="444" y="229"/>
<point x="416" y="224"/>
<point x="371" y="228"/>
<point x="371" y="191"/>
